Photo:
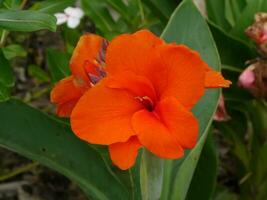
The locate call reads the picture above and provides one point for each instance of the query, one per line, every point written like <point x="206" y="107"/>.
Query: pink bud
<point x="263" y="37"/>
<point x="247" y="78"/>
<point x="258" y="30"/>
<point x="221" y="114"/>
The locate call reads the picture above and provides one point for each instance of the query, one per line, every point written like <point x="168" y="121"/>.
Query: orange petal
<point x="180" y="74"/>
<point x="180" y="122"/>
<point x="215" y="79"/>
<point x="66" y="94"/>
<point x="131" y="52"/>
<point x="85" y="55"/>
<point x="174" y="70"/>
<point x="155" y="135"/>
<point x="139" y="86"/>
<point x="65" y="109"/>
<point x="167" y="130"/>
<point x="123" y="154"/>
<point x="103" y="115"/>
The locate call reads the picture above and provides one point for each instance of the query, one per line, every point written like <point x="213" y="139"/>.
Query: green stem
<point x="3" y="38"/>
<point x="151" y="176"/>
<point x="23" y="3"/>
<point x="231" y="68"/>
<point x="19" y="171"/>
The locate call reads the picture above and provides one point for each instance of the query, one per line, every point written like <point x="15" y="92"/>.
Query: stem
<point x="151" y="176"/>
<point x="3" y="38"/>
<point x="23" y="3"/>
<point x="19" y="171"/>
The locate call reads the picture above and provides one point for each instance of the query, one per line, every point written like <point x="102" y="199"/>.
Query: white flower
<point x="72" y="16"/>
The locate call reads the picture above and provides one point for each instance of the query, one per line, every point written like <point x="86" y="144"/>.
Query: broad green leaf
<point x="58" y="63"/>
<point x="14" y="50"/>
<point x="42" y="138"/>
<point x="6" y="74"/>
<point x="194" y="33"/>
<point x="26" y="20"/>
<point x="204" y="179"/>
<point x="52" y="6"/>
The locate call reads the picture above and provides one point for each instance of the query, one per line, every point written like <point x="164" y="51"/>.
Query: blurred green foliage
<point x="244" y="135"/>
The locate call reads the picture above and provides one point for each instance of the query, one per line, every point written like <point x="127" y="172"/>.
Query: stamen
<point x="98" y="65"/>
<point x="147" y="102"/>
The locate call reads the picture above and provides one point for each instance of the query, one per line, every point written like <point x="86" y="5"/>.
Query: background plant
<point x="32" y="59"/>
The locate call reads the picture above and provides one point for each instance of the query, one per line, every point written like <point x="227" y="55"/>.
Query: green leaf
<point x="246" y="18"/>
<point x="14" y="50"/>
<point x="58" y="64"/>
<point x="50" y="142"/>
<point x="216" y="13"/>
<point x="6" y="74"/>
<point x="4" y="93"/>
<point x="204" y="180"/>
<point x="229" y="13"/>
<point x="151" y="174"/>
<point x="194" y="33"/>
<point x="233" y="10"/>
<point x="38" y="73"/>
<point x="70" y="37"/>
<point x="224" y="194"/>
<point x="11" y="4"/>
<point x="120" y="7"/>
<point x="232" y="132"/>
<point x="52" y="6"/>
<point x="100" y="15"/>
<point x="162" y="9"/>
<point x="233" y="52"/>
<point x="26" y="20"/>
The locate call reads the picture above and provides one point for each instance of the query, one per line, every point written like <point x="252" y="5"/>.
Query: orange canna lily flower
<point x="145" y="100"/>
<point x="86" y="67"/>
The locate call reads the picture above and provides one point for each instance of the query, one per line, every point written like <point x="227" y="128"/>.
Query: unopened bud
<point x="247" y="78"/>
<point x="221" y="113"/>
<point x="258" y="32"/>
<point x="254" y="79"/>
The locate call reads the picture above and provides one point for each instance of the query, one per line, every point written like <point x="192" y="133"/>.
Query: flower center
<point x="147" y="102"/>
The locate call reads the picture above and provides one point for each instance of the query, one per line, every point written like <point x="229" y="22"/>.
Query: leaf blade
<point x="77" y="160"/>
<point x="26" y="20"/>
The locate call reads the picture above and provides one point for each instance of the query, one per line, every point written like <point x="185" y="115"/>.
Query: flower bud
<point x="258" y="32"/>
<point x="254" y="79"/>
<point x="221" y="113"/>
<point x="247" y="78"/>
